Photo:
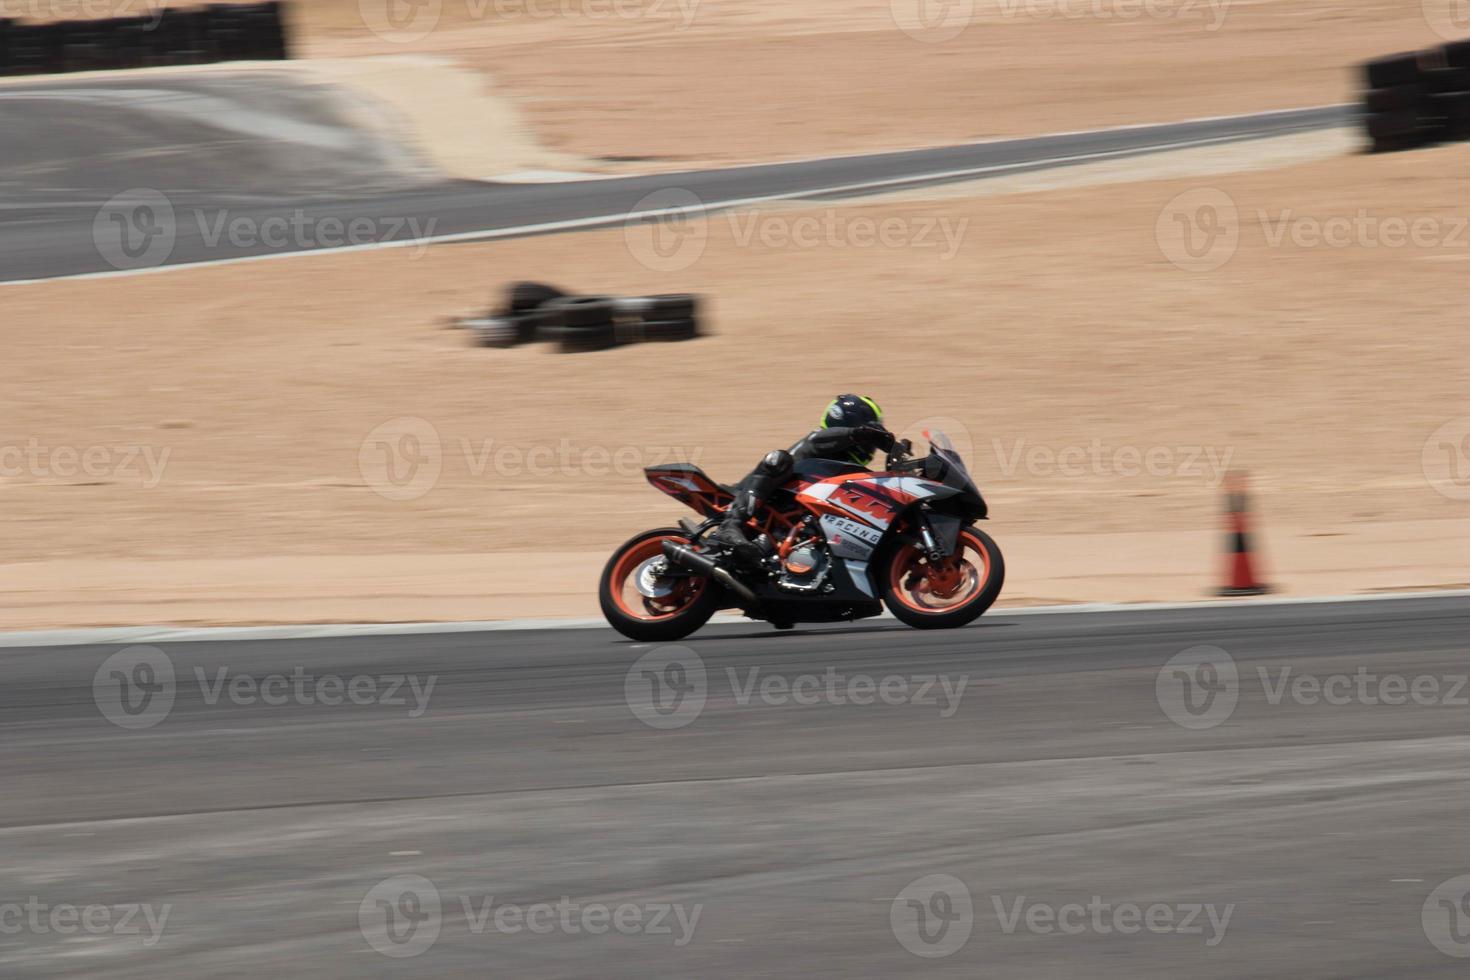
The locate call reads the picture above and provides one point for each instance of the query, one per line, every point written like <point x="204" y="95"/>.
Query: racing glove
<point x="874" y="436"/>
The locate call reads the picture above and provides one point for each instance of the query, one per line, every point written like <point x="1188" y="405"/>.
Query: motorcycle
<point x="840" y="543"/>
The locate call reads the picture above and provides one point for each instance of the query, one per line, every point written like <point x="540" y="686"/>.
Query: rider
<point x="852" y="431"/>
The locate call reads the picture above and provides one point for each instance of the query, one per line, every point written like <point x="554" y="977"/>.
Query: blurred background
<point x="255" y="262"/>
<point x="1052" y="310"/>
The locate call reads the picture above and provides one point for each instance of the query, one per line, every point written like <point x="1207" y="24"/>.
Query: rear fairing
<point x="689" y="485"/>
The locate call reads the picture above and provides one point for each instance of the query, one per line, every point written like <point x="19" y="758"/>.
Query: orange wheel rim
<point x="623" y="584"/>
<point x="940" y="587"/>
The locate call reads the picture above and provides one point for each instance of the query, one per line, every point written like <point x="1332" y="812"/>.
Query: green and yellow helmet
<point x="852" y="411"/>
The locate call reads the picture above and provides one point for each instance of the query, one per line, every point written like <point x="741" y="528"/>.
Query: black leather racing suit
<point x="836" y="443"/>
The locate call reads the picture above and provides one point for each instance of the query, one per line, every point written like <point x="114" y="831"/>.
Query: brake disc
<point x="651" y="581"/>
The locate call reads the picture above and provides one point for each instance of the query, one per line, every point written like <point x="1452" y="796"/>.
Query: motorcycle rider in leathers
<point x="852" y="431"/>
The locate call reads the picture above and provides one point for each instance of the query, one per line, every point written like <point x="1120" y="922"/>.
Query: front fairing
<point x="945" y="466"/>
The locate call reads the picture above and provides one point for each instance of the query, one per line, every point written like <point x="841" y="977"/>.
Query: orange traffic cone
<point x="1240" y="572"/>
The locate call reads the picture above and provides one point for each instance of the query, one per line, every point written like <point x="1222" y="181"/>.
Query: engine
<point x="805" y="561"/>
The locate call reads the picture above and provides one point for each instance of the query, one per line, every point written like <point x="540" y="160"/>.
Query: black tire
<point x="1398" y="69"/>
<point x="274" y="29"/>
<point x="530" y="327"/>
<point x="665" y="306"/>
<point x="523" y="297"/>
<point x="1393" y="145"/>
<point x="581" y="311"/>
<point x="1398" y="98"/>
<point x="492" y="331"/>
<point x="1443" y="81"/>
<point x="1391" y="125"/>
<point x="576" y="340"/>
<point x="1457" y="54"/>
<point x="1452" y="113"/>
<point x="674" y="627"/>
<point x="503" y="331"/>
<point x="963" y="615"/>
<point x="628" y="331"/>
<point x="656" y="330"/>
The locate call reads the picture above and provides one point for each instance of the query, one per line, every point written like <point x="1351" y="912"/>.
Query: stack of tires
<point x="535" y="311"/>
<point x="1419" y="98"/>
<point x="180" y="36"/>
<point x="32" y="49"/>
<point x="244" y="31"/>
<point x="674" y="316"/>
<point x="1447" y="80"/>
<point x="520" y="320"/>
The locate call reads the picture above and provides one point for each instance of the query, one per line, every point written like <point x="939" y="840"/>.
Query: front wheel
<point x="943" y="595"/>
<point x="643" y="605"/>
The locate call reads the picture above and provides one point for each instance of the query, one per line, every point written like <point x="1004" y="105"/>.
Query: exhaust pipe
<point x="695" y="562"/>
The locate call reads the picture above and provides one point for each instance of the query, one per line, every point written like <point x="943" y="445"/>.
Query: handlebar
<point x="899" y="458"/>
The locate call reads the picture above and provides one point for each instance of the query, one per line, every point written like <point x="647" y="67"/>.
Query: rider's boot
<point x="732" y="532"/>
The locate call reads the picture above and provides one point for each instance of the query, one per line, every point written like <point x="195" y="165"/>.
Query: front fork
<point x="931" y="546"/>
<point x="938" y="534"/>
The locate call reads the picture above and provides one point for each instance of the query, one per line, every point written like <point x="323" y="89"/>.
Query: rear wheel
<point x="948" y="593"/>
<point x="643" y="604"/>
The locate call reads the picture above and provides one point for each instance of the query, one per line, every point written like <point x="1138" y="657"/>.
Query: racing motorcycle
<point x="839" y="542"/>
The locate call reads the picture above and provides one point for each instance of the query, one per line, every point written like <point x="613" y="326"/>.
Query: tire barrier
<point x="534" y="311"/>
<point x="169" y="36"/>
<point x="1418" y="98"/>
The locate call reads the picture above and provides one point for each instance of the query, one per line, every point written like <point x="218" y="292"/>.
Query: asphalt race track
<point x="43" y="235"/>
<point x="1293" y="825"/>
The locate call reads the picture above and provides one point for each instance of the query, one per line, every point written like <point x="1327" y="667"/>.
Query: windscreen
<point x="954" y="472"/>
